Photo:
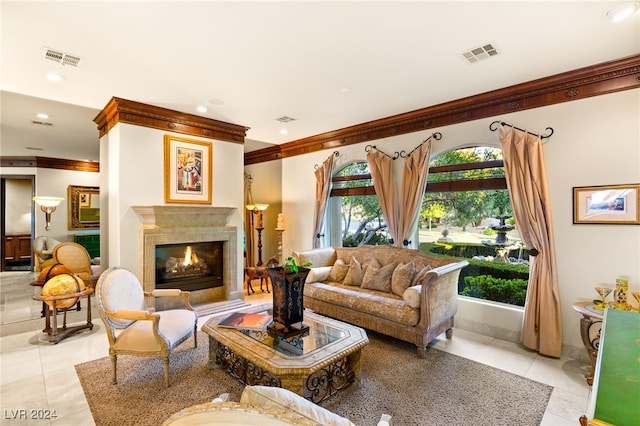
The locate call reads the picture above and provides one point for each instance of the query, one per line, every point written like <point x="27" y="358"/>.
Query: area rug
<point x="442" y="389"/>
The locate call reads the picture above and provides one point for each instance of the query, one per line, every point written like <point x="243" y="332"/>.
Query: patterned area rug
<point x="442" y="389"/>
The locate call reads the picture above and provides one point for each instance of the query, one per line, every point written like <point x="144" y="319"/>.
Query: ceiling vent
<point x="41" y="123"/>
<point x="479" y="53"/>
<point x="285" y="119"/>
<point x="61" y="57"/>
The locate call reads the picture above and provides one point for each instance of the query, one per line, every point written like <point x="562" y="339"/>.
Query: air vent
<point x="42" y="123"/>
<point x="33" y="148"/>
<point x="479" y="53"/>
<point x="285" y="119"/>
<point x="61" y="57"/>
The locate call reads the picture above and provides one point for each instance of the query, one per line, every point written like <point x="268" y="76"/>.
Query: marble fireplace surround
<point x="189" y="224"/>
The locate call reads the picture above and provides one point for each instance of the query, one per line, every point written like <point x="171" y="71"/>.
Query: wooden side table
<point x="55" y="333"/>
<point x="590" y="327"/>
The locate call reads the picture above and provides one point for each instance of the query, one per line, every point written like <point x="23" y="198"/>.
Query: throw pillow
<point x="378" y="278"/>
<point x="338" y="271"/>
<point x="412" y="296"/>
<point x="318" y="274"/>
<point x="355" y="274"/>
<point x="419" y="275"/>
<point x="402" y="277"/>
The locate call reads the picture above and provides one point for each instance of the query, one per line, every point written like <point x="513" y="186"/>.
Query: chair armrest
<point x="130" y="314"/>
<point x="171" y="292"/>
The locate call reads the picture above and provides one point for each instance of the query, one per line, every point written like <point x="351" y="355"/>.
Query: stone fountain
<point x="501" y="243"/>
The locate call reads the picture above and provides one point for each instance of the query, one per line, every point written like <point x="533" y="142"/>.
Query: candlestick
<point x="280" y="222"/>
<point x="259" y="224"/>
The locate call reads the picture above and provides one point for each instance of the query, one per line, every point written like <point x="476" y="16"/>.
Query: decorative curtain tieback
<point x="533" y="252"/>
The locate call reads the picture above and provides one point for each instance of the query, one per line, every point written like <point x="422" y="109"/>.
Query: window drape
<point x="381" y="169"/>
<point x="414" y="181"/>
<point x="527" y="184"/>
<point x="323" y="188"/>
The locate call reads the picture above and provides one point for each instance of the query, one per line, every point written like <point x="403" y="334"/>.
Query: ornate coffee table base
<point x="317" y="386"/>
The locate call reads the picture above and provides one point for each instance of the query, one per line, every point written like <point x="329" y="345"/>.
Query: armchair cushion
<point x="172" y="327"/>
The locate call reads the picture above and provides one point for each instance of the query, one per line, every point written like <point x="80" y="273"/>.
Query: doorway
<point x="16" y="222"/>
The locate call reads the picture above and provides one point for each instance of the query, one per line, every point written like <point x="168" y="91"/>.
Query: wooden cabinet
<point x="17" y="247"/>
<point x="89" y="241"/>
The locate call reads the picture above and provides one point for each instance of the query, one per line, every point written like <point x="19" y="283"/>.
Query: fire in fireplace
<point x="189" y="266"/>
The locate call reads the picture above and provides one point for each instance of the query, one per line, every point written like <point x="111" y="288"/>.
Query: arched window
<point x="355" y="211"/>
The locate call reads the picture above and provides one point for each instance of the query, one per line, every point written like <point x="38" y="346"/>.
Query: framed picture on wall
<point x="84" y="207"/>
<point x="187" y="170"/>
<point x="607" y="204"/>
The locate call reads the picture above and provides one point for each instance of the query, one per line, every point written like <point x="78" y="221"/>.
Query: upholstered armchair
<point x="133" y="329"/>
<point x="75" y="257"/>
<point x="43" y="252"/>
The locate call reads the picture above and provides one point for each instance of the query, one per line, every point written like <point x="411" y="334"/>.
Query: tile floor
<point x="36" y="375"/>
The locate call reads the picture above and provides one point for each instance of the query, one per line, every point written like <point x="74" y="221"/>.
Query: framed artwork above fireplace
<point x="187" y="170"/>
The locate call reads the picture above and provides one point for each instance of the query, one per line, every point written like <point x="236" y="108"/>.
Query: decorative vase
<point x="288" y="304"/>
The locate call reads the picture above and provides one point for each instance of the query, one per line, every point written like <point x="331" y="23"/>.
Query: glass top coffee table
<point x="315" y="365"/>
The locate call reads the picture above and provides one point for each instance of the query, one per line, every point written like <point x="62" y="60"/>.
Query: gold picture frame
<point x="607" y="204"/>
<point x="187" y="170"/>
<point x="83" y="207"/>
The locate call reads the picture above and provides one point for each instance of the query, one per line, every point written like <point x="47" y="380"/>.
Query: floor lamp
<point x="256" y="210"/>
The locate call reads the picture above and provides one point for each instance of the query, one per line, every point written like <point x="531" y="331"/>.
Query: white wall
<point x="596" y="142"/>
<point x="132" y="161"/>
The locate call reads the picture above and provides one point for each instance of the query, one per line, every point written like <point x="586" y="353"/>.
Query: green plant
<point x="290" y="265"/>
<point x="512" y="291"/>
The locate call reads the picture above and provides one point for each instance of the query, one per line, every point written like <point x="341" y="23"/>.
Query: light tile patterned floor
<point x="37" y="375"/>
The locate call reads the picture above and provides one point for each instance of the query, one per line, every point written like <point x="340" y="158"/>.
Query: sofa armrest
<point x="317" y="257"/>
<point x="269" y="397"/>
<point x="439" y="295"/>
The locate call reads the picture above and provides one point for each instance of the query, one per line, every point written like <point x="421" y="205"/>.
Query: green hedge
<point x="476" y="268"/>
<point x="513" y="292"/>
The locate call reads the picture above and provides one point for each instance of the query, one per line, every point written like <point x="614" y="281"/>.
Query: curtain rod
<point x="437" y="136"/>
<point x="336" y="153"/>
<point x="502" y="123"/>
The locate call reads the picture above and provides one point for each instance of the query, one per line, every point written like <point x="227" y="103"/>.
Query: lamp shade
<point x="48" y="201"/>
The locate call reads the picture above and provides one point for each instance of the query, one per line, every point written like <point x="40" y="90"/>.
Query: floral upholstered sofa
<point x="395" y="291"/>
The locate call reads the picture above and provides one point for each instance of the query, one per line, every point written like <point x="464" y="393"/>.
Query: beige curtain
<point x="414" y="180"/>
<point x="248" y="224"/>
<point x="323" y="188"/>
<point x="527" y="183"/>
<point x="381" y="168"/>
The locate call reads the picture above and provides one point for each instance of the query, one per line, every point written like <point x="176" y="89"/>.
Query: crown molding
<point x="123" y="111"/>
<point x="51" y="163"/>
<point x="595" y="80"/>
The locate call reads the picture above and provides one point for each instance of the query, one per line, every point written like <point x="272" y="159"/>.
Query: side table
<point x="590" y="327"/>
<point x="55" y="333"/>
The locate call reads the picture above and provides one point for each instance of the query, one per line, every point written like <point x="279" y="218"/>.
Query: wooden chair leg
<point x="114" y="369"/>
<point x="166" y="371"/>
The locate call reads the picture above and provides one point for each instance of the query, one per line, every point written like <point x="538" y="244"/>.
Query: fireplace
<point x="167" y="232"/>
<point x="190" y="266"/>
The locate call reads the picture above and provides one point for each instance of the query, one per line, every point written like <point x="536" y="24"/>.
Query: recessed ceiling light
<point x="51" y="76"/>
<point x="622" y="11"/>
<point x="344" y="90"/>
<point x="201" y="108"/>
<point x="283" y="131"/>
<point x="42" y="115"/>
<point x="214" y="101"/>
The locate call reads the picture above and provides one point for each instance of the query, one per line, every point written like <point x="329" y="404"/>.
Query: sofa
<point x="399" y="292"/>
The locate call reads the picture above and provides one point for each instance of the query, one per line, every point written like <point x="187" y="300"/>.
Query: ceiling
<point x="329" y="65"/>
